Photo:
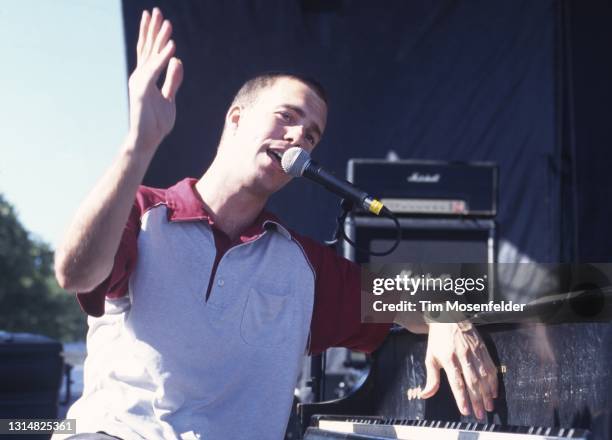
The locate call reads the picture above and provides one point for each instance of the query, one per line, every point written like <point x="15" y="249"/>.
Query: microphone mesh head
<point x="294" y="161"/>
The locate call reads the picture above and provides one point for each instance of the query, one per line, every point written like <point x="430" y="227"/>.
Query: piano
<point x="376" y="427"/>
<point x="555" y="383"/>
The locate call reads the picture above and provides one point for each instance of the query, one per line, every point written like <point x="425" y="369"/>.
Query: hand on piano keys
<point x="472" y="375"/>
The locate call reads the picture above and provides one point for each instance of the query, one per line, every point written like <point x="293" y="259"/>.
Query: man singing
<point x="201" y="303"/>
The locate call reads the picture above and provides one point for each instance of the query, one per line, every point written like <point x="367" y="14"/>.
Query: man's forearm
<point x="411" y="321"/>
<point x="85" y="257"/>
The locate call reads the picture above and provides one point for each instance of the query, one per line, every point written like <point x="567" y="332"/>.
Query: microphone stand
<point x="317" y="362"/>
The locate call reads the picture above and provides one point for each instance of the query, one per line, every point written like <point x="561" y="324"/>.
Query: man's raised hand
<point x="153" y="111"/>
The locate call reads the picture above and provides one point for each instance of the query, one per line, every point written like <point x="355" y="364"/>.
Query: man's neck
<point x="233" y="206"/>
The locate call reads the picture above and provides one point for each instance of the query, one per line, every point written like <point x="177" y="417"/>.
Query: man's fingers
<point x="162" y="37"/>
<point x="478" y="390"/>
<point x="162" y="59"/>
<point x="487" y="370"/>
<point x="155" y="50"/>
<point x="152" y="31"/>
<point x="433" y="378"/>
<point x="485" y="375"/>
<point x="491" y="370"/>
<point x="493" y="383"/>
<point x="174" y="78"/>
<point x="487" y="396"/>
<point x="142" y="34"/>
<point x="455" y="380"/>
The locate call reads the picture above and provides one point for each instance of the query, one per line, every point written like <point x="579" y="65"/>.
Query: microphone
<point x="297" y="162"/>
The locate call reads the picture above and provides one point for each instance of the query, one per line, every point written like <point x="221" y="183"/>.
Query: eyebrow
<point x="302" y="114"/>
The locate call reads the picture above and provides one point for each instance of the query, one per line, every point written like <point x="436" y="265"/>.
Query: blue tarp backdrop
<point x="430" y="79"/>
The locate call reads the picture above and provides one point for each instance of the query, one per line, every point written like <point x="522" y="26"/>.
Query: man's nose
<point x="295" y="134"/>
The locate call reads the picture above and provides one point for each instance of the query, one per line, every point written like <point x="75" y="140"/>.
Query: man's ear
<point x="232" y="118"/>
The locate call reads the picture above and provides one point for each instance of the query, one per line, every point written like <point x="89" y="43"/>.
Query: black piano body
<point x="555" y="375"/>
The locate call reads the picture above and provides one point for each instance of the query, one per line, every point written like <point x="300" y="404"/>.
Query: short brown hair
<point x="250" y="90"/>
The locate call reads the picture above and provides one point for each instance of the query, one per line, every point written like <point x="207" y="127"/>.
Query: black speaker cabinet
<point x="424" y="240"/>
<point x="31" y="368"/>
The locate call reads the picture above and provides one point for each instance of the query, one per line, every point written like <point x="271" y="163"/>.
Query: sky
<point x="63" y="111"/>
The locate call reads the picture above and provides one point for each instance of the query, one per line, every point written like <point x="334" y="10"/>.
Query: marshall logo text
<point x="423" y="178"/>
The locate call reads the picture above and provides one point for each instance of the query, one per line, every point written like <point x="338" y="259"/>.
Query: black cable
<point x="385" y="213"/>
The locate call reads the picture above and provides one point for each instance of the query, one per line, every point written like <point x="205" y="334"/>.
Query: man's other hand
<point x="153" y="111"/>
<point x="471" y="373"/>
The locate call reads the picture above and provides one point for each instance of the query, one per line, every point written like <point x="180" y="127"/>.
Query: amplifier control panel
<point x="426" y="206"/>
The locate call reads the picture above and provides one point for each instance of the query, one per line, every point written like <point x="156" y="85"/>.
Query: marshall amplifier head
<point x="415" y="187"/>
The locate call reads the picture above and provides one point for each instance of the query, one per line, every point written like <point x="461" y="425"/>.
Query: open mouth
<point x="276" y="155"/>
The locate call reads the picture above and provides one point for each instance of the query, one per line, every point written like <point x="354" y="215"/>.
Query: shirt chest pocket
<point x="268" y="317"/>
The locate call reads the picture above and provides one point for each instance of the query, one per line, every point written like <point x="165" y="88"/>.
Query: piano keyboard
<point x="381" y="428"/>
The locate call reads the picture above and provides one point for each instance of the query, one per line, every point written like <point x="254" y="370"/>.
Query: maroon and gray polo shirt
<point x="195" y="336"/>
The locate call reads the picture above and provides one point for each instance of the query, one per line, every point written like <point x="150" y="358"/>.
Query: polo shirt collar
<point x="184" y="204"/>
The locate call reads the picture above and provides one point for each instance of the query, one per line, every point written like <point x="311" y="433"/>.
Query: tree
<point x="30" y="298"/>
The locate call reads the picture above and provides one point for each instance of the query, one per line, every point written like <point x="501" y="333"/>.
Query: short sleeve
<point x="116" y="284"/>
<point x="336" y="319"/>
